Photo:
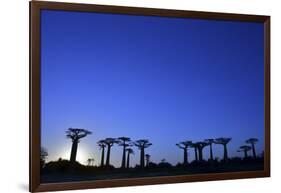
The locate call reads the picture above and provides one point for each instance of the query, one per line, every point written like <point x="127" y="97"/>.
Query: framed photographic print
<point x="123" y="96"/>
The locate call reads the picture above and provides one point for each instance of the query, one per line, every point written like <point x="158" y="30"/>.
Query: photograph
<point x="128" y="96"/>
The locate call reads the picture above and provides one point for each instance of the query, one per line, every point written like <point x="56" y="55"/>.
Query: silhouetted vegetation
<point x="253" y="141"/>
<point x="142" y="144"/>
<point x="124" y="142"/>
<point x="147" y="159"/>
<point x="43" y="156"/>
<point x="224" y="142"/>
<point x="109" y="142"/>
<point x="245" y="149"/>
<point x="90" y="161"/>
<point x="129" y="152"/>
<point x="184" y="145"/>
<point x="71" y="170"/>
<point x="210" y="143"/>
<point x="75" y="135"/>
<point x="102" y="145"/>
<point x="200" y="146"/>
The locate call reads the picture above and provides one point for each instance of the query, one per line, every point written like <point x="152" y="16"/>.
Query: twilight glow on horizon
<point x="143" y="77"/>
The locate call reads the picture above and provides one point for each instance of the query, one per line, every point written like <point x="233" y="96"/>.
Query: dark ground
<point x="55" y="172"/>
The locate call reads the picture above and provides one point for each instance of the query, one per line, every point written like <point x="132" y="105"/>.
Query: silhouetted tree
<point x="142" y="144"/>
<point x="163" y="160"/>
<point x="194" y="145"/>
<point x="124" y="142"/>
<point x="129" y="152"/>
<point x="43" y="156"/>
<point x="102" y="145"/>
<point x="224" y="142"/>
<point x="184" y="145"/>
<point x="147" y="159"/>
<point x="75" y="135"/>
<point x="200" y="146"/>
<point x="252" y="142"/>
<point x="90" y="161"/>
<point x="109" y="143"/>
<point x="164" y="164"/>
<point x="210" y="143"/>
<point x="245" y="149"/>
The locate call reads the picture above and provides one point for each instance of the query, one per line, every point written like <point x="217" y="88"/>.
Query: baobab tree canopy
<point x="110" y="141"/>
<point x="209" y="141"/>
<point x="252" y="140"/>
<point x="76" y="133"/>
<point x="184" y="144"/>
<point x="222" y="140"/>
<point x="245" y="148"/>
<point x="142" y="143"/>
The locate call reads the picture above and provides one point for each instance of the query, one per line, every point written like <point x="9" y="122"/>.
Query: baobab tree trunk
<point x="196" y="154"/>
<point x="185" y="160"/>
<point x="147" y="162"/>
<point x="254" y="151"/>
<point x="128" y="160"/>
<point x="124" y="158"/>
<point x="211" y="152"/>
<point x="108" y="156"/>
<point x="225" y="156"/>
<point x="200" y="154"/>
<point x="73" y="151"/>
<point x="142" y="158"/>
<point x="245" y="154"/>
<point x="102" y="157"/>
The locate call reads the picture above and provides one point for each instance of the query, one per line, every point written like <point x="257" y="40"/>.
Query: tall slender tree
<point x="75" y="134"/>
<point x="129" y="152"/>
<point x="184" y="146"/>
<point x="252" y="142"/>
<point x="200" y="147"/>
<point x="147" y="159"/>
<point x="124" y="142"/>
<point x="142" y="144"/>
<point x="210" y="143"/>
<point x="194" y="146"/>
<point x="102" y="145"/>
<point x="90" y="161"/>
<point x="245" y="149"/>
<point x="109" y="143"/>
<point x="223" y="141"/>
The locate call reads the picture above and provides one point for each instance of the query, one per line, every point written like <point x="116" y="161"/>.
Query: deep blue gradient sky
<point x="164" y="79"/>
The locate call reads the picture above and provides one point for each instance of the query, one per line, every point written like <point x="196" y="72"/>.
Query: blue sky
<point x="164" y="79"/>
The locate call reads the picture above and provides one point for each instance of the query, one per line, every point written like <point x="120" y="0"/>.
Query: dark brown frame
<point x="34" y="177"/>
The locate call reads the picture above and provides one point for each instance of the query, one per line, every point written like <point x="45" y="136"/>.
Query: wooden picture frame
<point x="35" y="95"/>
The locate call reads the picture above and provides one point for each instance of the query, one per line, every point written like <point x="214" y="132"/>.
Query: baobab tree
<point x="252" y="142"/>
<point x="184" y="146"/>
<point x="223" y="141"/>
<point x="109" y="143"/>
<point x="200" y="146"/>
<point x="210" y="143"/>
<point x="75" y="134"/>
<point x="90" y="161"/>
<point x="124" y="142"/>
<point x="194" y="145"/>
<point x="142" y="144"/>
<point x="245" y="149"/>
<point x="147" y="159"/>
<point x="129" y="152"/>
<point x="102" y="145"/>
